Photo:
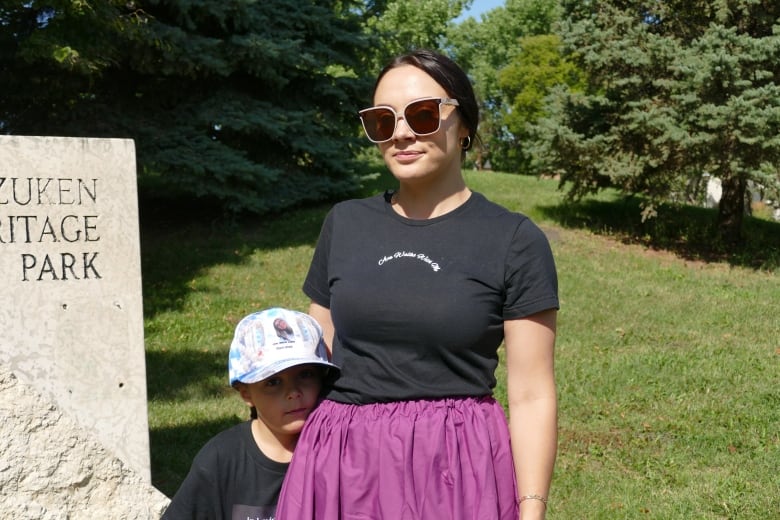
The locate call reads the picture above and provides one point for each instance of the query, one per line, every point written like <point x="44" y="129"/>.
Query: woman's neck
<point x="422" y="203"/>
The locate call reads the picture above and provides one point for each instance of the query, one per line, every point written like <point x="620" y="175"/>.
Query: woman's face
<point x="410" y="158"/>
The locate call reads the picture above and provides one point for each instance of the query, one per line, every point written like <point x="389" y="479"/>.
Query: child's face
<point x="284" y="401"/>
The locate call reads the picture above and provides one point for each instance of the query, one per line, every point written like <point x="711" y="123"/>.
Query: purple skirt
<point x="446" y="458"/>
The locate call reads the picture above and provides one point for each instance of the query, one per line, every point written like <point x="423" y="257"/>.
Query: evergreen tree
<point x="247" y="102"/>
<point x="676" y="90"/>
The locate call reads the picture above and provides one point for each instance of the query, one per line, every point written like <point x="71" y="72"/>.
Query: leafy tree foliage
<point x="397" y="26"/>
<point x="676" y="90"/>
<point x="247" y="102"/>
<point x="525" y="82"/>
<point x="484" y="49"/>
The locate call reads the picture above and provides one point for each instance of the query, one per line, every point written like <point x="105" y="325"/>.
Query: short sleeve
<point x="198" y="496"/>
<point x="530" y="275"/>
<point x="317" y="283"/>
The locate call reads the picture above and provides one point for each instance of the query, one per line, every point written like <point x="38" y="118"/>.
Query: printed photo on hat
<point x="269" y="341"/>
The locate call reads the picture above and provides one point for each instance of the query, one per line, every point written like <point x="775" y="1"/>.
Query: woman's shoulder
<point x="373" y="203"/>
<point x="490" y="209"/>
<point x="501" y="219"/>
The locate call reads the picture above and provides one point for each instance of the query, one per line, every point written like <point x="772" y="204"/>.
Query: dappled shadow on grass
<point x="686" y="231"/>
<point x="174" y="448"/>
<point x="180" y="239"/>
<point x="179" y="377"/>
<point x="170" y="373"/>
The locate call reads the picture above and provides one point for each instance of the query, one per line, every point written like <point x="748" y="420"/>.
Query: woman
<point x="415" y="290"/>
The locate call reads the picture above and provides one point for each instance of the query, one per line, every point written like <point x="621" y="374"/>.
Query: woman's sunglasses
<point x="422" y="116"/>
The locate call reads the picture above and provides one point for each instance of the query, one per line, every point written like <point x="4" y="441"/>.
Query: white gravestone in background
<point x="71" y="315"/>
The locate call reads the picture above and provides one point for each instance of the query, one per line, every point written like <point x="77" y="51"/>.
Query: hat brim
<point x="271" y="370"/>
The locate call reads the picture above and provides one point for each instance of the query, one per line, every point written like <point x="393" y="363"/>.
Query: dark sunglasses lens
<point x="423" y="116"/>
<point x="379" y="123"/>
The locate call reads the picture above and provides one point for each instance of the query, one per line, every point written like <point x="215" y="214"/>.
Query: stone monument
<point x="51" y="468"/>
<point x="71" y="315"/>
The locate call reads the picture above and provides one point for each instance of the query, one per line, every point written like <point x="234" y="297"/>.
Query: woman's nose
<point x="402" y="130"/>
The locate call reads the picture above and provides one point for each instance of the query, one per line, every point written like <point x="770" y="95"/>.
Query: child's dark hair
<point x="450" y="76"/>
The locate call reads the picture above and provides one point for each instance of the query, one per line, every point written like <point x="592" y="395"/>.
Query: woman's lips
<point x="406" y="155"/>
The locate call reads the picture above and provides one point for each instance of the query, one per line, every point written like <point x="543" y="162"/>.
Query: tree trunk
<point x="731" y="209"/>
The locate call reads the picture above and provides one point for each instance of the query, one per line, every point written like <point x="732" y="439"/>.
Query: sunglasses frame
<point x="440" y="101"/>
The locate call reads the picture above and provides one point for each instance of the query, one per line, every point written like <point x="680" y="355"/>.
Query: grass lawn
<point x="668" y="352"/>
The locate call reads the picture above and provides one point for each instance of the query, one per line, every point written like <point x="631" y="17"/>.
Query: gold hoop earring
<point x="465" y="143"/>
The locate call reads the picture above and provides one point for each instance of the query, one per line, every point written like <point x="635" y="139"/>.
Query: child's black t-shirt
<point x="230" y="479"/>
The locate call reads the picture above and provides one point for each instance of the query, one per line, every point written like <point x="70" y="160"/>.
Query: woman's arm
<point x="322" y="315"/>
<point x="533" y="406"/>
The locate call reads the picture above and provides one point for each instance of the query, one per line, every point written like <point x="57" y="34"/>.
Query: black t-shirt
<point x="230" y="479"/>
<point x="418" y="305"/>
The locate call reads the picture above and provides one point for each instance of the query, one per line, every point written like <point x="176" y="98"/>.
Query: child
<point x="239" y="472"/>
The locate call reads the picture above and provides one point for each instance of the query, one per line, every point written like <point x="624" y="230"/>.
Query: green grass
<point x="668" y="352"/>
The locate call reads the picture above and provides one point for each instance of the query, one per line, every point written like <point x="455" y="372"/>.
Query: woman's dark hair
<point x="450" y="76"/>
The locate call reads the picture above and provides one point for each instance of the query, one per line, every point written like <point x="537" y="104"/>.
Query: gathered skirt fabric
<point x="410" y="460"/>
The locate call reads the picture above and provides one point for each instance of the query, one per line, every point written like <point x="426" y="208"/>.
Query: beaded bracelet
<point x="534" y="497"/>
